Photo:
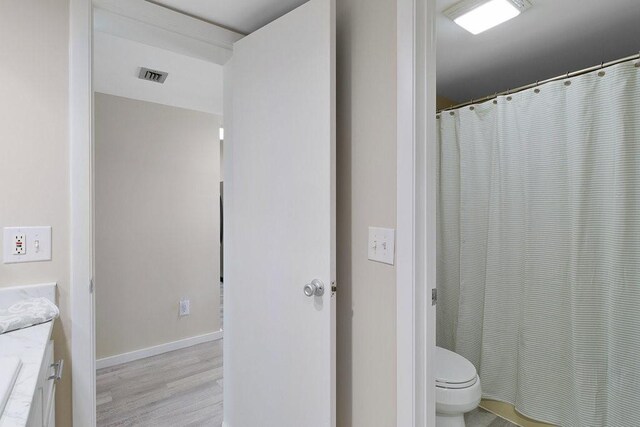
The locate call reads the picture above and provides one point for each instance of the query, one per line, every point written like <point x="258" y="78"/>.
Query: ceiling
<point x="192" y="83"/>
<point x="552" y="38"/>
<point x="243" y="16"/>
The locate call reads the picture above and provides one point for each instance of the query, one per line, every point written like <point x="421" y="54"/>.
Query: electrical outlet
<point x="26" y="244"/>
<point x="19" y="244"/>
<point x="185" y="307"/>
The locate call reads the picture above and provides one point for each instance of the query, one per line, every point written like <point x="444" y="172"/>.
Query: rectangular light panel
<point x="477" y="17"/>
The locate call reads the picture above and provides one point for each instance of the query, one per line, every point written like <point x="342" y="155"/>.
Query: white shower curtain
<point x="539" y="247"/>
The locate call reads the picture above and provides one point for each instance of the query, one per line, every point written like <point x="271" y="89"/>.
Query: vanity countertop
<point x="29" y="344"/>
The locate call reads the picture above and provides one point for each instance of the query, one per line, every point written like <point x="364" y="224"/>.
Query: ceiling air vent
<point x="152" y="75"/>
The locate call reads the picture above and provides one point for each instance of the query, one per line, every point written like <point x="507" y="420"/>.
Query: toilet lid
<point x="453" y="370"/>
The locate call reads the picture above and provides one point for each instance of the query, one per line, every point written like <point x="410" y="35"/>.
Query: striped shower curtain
<point x="539" y="247"/>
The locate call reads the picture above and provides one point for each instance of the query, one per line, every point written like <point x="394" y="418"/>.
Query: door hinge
<point x="91" y="285"/>
<point x="434" y="296"/>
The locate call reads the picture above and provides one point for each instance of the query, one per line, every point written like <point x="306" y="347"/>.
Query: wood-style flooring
<point x="184" y="388"/>
<point x="176" y="389"/>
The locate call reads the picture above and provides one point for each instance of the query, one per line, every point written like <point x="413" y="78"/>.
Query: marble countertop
<point x="29" y="344"/>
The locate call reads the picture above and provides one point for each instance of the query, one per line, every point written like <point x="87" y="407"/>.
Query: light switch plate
<point x="382" y="246"/>
<point x="36" y="245"/>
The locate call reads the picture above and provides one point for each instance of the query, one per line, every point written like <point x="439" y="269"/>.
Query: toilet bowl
<point x="458" y="388"/>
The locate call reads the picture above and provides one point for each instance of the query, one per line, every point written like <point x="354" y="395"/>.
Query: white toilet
<point x="457" y="388"/>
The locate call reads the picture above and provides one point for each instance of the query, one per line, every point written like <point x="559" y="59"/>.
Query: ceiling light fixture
<point x="477" y="16"/>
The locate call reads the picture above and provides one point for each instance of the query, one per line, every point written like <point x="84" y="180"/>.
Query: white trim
<point x="405" y="218"/>
<point x="163" y="17"/>
<point x="81" y="233"/>
<point x="119" y="359"/>
<point x="158" y="26"/>
<point x="416" y="211"/>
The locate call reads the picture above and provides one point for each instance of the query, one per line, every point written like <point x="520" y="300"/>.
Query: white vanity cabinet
<point x="31" y="401"/>
<point x="43" y="413"/>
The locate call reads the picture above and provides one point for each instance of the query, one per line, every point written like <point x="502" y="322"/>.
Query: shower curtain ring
<point x="509" y="97"/>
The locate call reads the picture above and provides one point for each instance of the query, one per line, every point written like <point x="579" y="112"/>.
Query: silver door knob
<point x="316" y="287"/>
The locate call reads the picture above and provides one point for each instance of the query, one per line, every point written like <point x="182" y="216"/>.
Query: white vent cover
<point x="152" y="75"/>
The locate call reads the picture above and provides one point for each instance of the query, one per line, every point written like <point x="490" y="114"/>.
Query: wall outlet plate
<point x="185" y="307"/>
<point x="382" y="245"/>
<point x="35" y="244"/>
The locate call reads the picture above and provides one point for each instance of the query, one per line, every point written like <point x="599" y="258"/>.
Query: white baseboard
<point x="156" y="349"/>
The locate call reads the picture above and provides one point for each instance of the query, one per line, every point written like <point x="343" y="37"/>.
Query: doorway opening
<point x="160" y="199"/>
<point x="157" y="237"/>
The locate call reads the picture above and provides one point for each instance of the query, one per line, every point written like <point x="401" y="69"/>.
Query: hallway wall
<point x="157" y="226"/>
<point x="366" y="185"/>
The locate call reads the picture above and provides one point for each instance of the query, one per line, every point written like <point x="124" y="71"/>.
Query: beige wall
<point x="34" y="151"/>
<point x="366" y="156"/>
<point x="157" y="223"/>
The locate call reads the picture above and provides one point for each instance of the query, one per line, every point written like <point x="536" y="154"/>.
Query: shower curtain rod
<point x="553" y="79"/>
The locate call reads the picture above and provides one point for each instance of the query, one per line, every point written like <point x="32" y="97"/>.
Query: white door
<point x="279" y="345"/>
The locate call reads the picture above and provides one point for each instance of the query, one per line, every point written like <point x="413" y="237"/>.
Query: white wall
<point x="366" y="156"/>
<point x="157" y="223"/>
<point x="192" y="83"/>
<point x="34" y="151"/>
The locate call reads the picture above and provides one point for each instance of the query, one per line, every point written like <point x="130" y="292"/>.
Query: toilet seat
<point x="451" y="385"/>
<point x="453" y="371"/>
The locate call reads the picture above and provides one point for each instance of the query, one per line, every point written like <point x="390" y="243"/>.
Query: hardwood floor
<point x="184" y="388"/>
<point x="177" y="389"/>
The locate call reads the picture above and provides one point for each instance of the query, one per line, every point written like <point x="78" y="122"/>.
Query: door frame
<point x="83" y="367"/>
<point x="416" y="211"/>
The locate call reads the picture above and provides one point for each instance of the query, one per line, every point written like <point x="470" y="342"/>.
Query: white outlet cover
<point x="185" y="307"/>
<point x="382" y="246"/>
<point x="37" y="244"/>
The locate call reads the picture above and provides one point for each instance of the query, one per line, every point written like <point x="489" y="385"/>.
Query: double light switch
<point x="382" y="244"/>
